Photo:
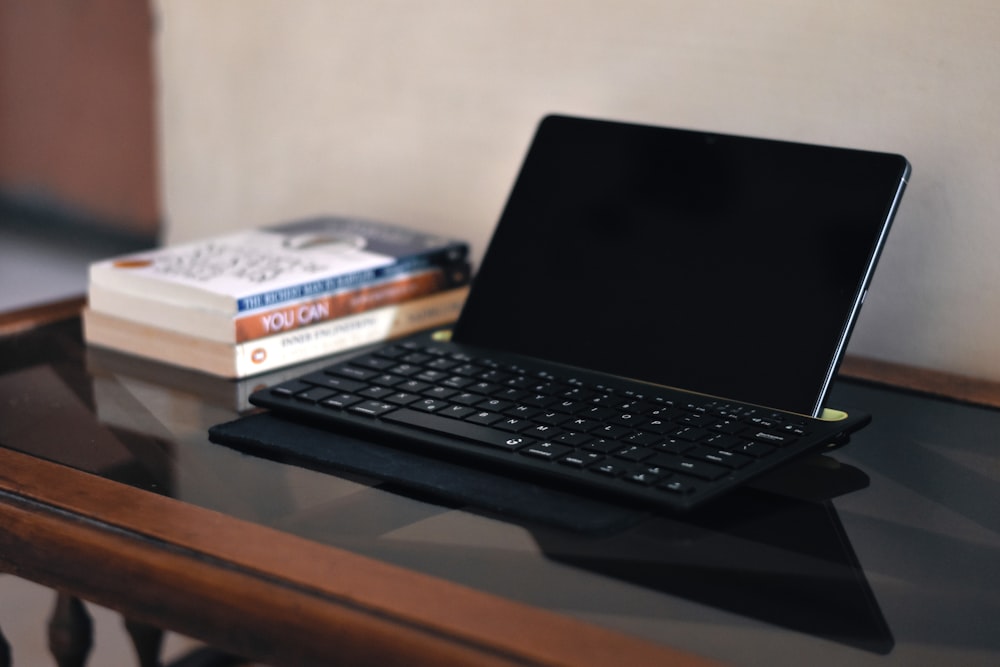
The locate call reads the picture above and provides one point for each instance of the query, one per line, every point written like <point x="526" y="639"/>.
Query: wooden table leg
<point x="4" y="651"/>
<point x="70" y="632"/>
<point x="148" y="642"/>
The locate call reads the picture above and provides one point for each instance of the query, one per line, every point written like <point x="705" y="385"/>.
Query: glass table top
<point x="886" y="551"/>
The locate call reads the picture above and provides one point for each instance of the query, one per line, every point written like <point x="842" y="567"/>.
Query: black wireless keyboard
<point x="664" y="448"/>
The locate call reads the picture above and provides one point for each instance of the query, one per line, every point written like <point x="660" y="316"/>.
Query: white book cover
<point x="269" y="266"/>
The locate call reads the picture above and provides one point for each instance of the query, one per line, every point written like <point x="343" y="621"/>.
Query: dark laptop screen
<point x="724" y="265"/>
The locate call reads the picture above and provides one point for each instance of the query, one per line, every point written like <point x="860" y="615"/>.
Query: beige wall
<point x="419" y="112"/>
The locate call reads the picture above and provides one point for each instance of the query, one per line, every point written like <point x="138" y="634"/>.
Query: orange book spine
<point x="288" y="317"/>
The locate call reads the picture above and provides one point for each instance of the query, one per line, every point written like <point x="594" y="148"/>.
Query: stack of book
<point x="259" y="300"/>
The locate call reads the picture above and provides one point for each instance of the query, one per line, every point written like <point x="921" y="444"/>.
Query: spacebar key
<point x="457" y="429"/>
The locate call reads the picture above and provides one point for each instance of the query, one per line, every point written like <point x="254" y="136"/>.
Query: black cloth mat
<point x="268" y="435"/>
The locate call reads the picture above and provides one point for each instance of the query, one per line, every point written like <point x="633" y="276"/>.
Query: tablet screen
<point x="725" y="265"/>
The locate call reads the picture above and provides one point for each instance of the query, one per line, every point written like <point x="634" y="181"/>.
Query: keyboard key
<point x="416" y="358"/>
<point x="334" y="382"/>
<point x="773" y="438"/>
<point x="456" y="411"/>
<point x="764" y="422"/>
<point x="597" y="412"/>
<point x="543" y="431"/>
<point x="483" y="388"/>
<point x="442" y="364"/>
<point x="313" y="395"/>
<point x="690" y="433"/>
<point x="509" y="394"/>
<point x="674" y="446"/>
<point x="659" y="426"/>
<point x="699" y="469"/>
<point x="611" y="469"/>
<point x="465" y="398"/>
<point x="354" y="373"/>
<point x="374" y="363"/>
<point x="573" y="439"/>
<point x="545" y="450"/>
<point x="644" y="477"/>
<point x="603" y="446"/>
<point x="581" y="459"/>
<point x="636" y="406"/>
<point x="518" y="383"/>
<point x="372" y="408"/>
<point x="569" y="406"/>
<point x="730" y="426"/>
<point x="391" y="352"/>
<point x="642" y="439"/>
<point x="632" y="420"/>
<point x="798" y="430"/>
<point x="428" y="404"/>
<point x="754" y="449"/>
<point x="468" y="370"/>
<point x="550" y="418"/>
<point x="376" y="392"/>
<point x="387" y="379"/>
<point x="401" y="398"/>
<point x="432" y="377"/>
<point x="441" y="393"/>
<point x="578" y="394"/>
<point x="720" y="457"/>
<point x="524" y="412"/>
<point x="457" y="428"/>
<point x="581" y="424"/>
<point x="634" y="453"/>
<point x="610" y="431"/>
<point x="697" y="419"/>
<point x="412" y="386"/>
<point x="539" y="400"/>
<point x="484" y="417"/>
<point x="722" y="441"/>
<point x="679" y="485"/>
<point x="290" y="388"/>
<point x="513" y="424"/>
<point x="495" y="404"/>
<point x="340" y="401"/>
<point x="607" y="401"/>
<point x="493" y="376"/>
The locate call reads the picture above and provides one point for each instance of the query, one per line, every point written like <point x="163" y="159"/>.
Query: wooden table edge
<point x="939" y="384"/>
<point x="25" y="319"/>
<point x="185" y="568"/>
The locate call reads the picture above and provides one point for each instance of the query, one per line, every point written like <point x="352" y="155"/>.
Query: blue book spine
<point x="333" y="284"/>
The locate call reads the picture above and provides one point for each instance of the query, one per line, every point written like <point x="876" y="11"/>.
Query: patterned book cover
<point x="270" y="266"/>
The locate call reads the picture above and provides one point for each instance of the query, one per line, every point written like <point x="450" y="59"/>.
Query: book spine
<point x="296" y="315"/>
<point x="447" y="255"/>
<point x="318" y="340"/>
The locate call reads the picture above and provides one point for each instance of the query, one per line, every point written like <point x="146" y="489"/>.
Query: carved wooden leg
<point x="70" y="632"/>
<point x="148" y="642"/>
<point x="4" y="652"/>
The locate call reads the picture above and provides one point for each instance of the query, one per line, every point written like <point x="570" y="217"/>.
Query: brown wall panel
<point x="77" y="108"/>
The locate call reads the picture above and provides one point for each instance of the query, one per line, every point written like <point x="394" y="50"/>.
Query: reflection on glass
<point x="775" y="558"/>
<point x="777" y="554"/>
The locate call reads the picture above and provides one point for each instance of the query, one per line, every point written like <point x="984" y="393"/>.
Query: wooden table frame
<point x="284" y="600"/>
<point x="261" y="593"/>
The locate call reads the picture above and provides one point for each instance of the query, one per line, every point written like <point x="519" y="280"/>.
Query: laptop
<point x="658" y="317"/>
